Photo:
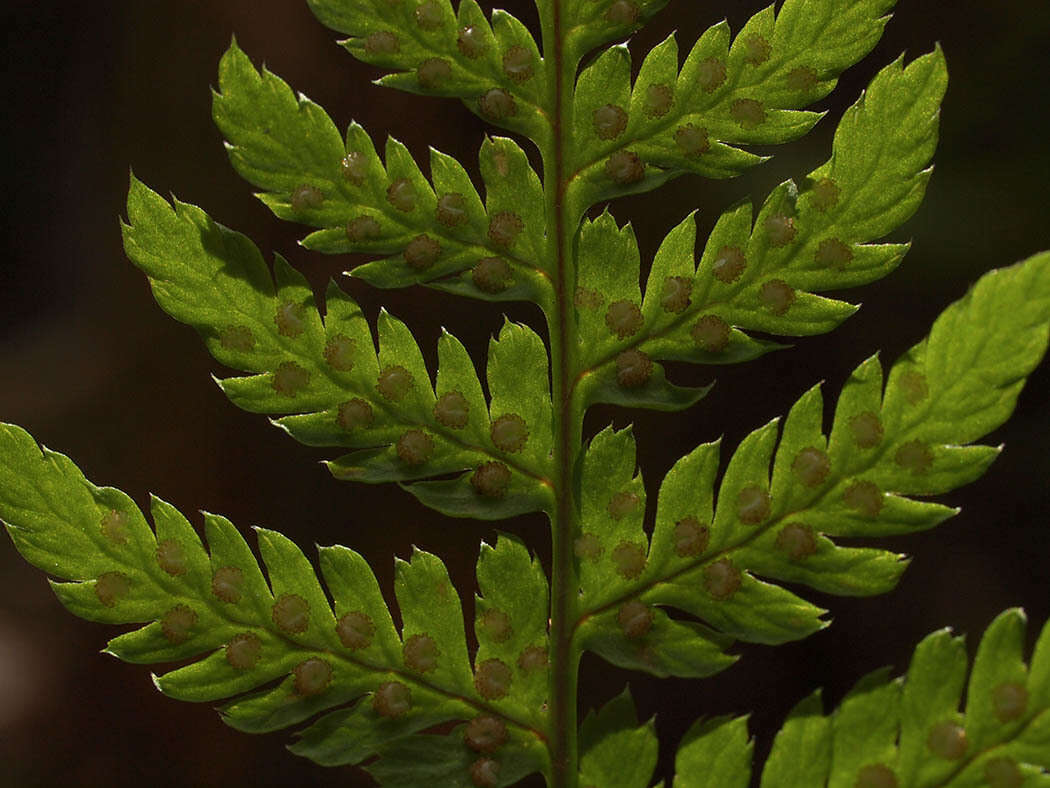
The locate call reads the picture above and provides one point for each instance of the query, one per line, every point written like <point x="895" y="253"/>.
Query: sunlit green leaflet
<point x="728" y="93"/>
<point x="761" y="273"/>
<point x="778" y="502"/>
<point x="496" y="69"/>
<point x="437" y="232"/>
<point x="414" y="696"/>
<point x="909" y="731"/>
<point x="338" y="390"/>
<point x="385" y="686"/>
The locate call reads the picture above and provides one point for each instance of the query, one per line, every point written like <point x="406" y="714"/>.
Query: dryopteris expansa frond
<point x="746" y="91"/>
<point x="385" y="685"/>
<point x="760" y="274"/>
<point x="907" y="732"/>
<point x="907" y="439"/>
<point x="440" y="232"/>
<point x="497" y="70"/>
<point x="336" y="388"/>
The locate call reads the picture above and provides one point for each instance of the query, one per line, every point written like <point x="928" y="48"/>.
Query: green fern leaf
<point x="743" y="91"/>
<point x="250" y="632"/>
<point x="497" y="70"/>
<point x="328" y="378"/>
<point x="911" y="732"/>
<point x="287" y="146"/>
<point x="714" y="753"/>
<point x="948" y="391"/>
<point x="907" y="732"/>
<point x="761" y="274"/>
<point x="615" y="751"/>
<point x="590" y="23"/>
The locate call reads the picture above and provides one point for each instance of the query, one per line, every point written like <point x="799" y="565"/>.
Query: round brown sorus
<point x="111" y="587"/>
<point x="623" y="12"/>
<point x="415" y="447"/>
<point x="471" y="41"/>
<point x="624" y="318"/>
<point x="291" y="613"/>
<point x="485" y="733"/>
<point x="633" y="369"/>
<point x="312" y="676"/>
<point x="729" y="264"/>
<point x="177" y="623"/>
<point x="629" y="559"/>
<point x="382" y="42"/>
<point x="864" y="497"/>
<point x="491" y="480"/>
<point x="777" y="296"/>
<point x="227" y="584"/>
<point x="392" y="699"/>
<point x="533" y="658"/>
<point x="452" y="210"/>
<point x="394" y="383"/>
<point x="518" y="64"/>
<point x="625" y="167"/>
<point x="114" y="526"/>
<point x="722" y="579"/>
<point x="422" y="252"/>
<point x="363" y="228"/>
<point x="497" y="104"/>
<point x="675" y="296"/>
<point x="711" y="333"/>
<point x="433" y="72"/>
<point x="495" y="625"/>
<point x="796" y="541"/>
<point x="484" y="773"/>
<point x="355" y="630"/>
<point x="749" y="113"/>
<point x="690" y="537"/>
<point x="635" y="619"/>
<point x="867" y="429"/>
<point x="811" y="466"/>
<point x="504" y="228"/>
<point x="610" y="121"/>
<point x="492" y="679"/>
<point x="421" y="653"/>
<point x="243" y="651"/>
<point x="509" y="433"/>
<point x="492" y="275"/>
<point x="306" y="198"/>
<point x="753" y="504"/>
<point x="354" y="413"/>
<point x="692" y="140"/>
<point x="658" y="100"/>
<point x="452" y="410"/>
<point x="948" y="740"/>
<point x="711" y="74"/>
<point x="402" y="195"/>
<point x="354" y="167"/>
<point x="339" y="352"/>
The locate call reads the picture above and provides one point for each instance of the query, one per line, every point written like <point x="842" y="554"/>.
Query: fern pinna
<point x="669" y="598"/>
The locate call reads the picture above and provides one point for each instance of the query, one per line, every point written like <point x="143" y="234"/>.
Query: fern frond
<point x="590" y="23"/>
<point x="496" y="69"/>
<point x="777" y="504"/>
<point x="250" y="633"/>
<point x="729" y="92"/>
<point x="615" y="751"/>
<point x="908" y="732"/>
<point x="333" y="386"/>
<point x="762" y="274"/>
<point x="434" y="231"/>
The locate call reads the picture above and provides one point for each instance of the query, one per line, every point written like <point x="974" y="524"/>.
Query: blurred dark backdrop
<point x="94" y="369"/>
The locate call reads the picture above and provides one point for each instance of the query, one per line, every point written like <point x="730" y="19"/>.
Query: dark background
<point x="94" y="369"/>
